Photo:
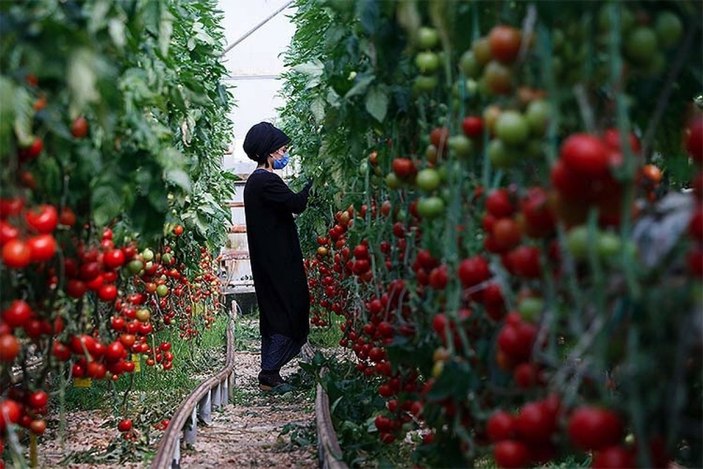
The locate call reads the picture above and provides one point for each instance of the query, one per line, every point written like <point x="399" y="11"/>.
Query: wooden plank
<point x="238" y="229"/>
<point x="235" y="204"/>
<point x="328" y="446"/>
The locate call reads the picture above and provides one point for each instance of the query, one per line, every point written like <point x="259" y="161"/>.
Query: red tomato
<point x="178" y="230"/>
<point x="60" y="351"/>
<point x="439" y="278"/>
<point x="499" y="203"/>
<point x="67" y="217"/>
<point x="614" y="457"/>
<point x="473" y="270"/>
<point x="11" y="207"/>
<point x="504" y="42"/>
<point x="694" y="140"/>
<point x="17" y="314"/>
<point x="516" y="340"/>
<point x="500" y="426"/>
<point x="439" y="137"/>
<point x="124" y="425"/>
<point x="594" y="428"/>
<point x="8" y="232"/>
<point x="79" y="127"/>
<point x="107" y="292"/>
<point x="472" y="126"/>
<point x="611" y="137"/>
<point x="535" y="424"/>
<point x="38" y="399"/>
<point x="42" y="219"/>
<point x="506" y="234"/>
<point x="75" y="288"/>
<point x="33" y="150"/>
<point x="10" y="411"/>
<point x="16" y="254"/>
<point x="540" y="220"/>
<point x="113" y="258"/>
<point x="511" y="454"/>
<point x="403" y="167"/>
<point x="43" y="247"/>
<point x="9" y="347"/>
<point x="586" y="155"/>
<point x="38" y="426"/>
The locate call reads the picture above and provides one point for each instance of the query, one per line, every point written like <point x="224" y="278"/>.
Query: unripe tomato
<point x="512" y="128"/>
<point x="428" y="179"/>
<point x="427" y="62"/>
<point x="427" y="38"/>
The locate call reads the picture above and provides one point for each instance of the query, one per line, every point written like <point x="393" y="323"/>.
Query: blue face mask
<point x="280" y="164"/>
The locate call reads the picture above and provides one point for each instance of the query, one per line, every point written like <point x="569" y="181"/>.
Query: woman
<point x="274" y="250"/>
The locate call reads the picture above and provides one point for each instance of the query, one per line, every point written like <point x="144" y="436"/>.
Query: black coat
<point x="276" y="259"/>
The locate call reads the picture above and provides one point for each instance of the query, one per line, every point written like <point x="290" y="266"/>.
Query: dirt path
<point x="259" y="429"/>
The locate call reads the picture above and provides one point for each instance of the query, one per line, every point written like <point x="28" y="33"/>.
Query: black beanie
<point x="262" y="140"/>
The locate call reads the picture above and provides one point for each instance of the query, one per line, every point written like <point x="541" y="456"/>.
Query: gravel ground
<point x="247" y="433"/>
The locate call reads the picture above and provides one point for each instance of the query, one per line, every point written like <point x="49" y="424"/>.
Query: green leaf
<point x="106" y="203"/>
<point x="165" y="30"/>
<point x="317" y="107"/>
<point x="377" y="103"/>
<point x="360" y="86"/>
<point x="82" y="78"/>
<point x="116" y="27"/>
<point x="179" y="178"/>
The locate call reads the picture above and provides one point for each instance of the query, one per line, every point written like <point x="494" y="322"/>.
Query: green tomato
<point x="430" y="207"/>
<point x="577" y="242"/>
<point x="537" y="116"/>
<point x="148" y="254"/>
<point x="500" y="155"/>
<point x="135" y="266"/>
<point x="669" y="28"/>
<point x="427" y="62"/>
<point x="162" y="290"/>
<point x="461" y="145"/>
<point x="641" y="44"/>
<point x="512" y="128"/>
<point x="363" y="168"/>
<point x="393" y="181"/>
<point x="530" y="308"/>
<point x="425" y="83"/>
<point x="428" y="180"/>
<point x="469" y="66"/>
<point x="427" y="38"/>
<point x="608" y="245"/>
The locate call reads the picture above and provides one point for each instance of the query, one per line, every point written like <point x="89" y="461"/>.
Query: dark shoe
<point x="268" y="380"/>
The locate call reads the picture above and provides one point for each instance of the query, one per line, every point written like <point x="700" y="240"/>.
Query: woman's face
<point x="278" y="154"/>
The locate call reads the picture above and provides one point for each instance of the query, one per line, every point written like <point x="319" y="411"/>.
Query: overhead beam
<point x="252" y="30"/>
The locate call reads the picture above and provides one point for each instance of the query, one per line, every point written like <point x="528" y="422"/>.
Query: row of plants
<point x="113" y="120"/>
<point x="508" y="218"/>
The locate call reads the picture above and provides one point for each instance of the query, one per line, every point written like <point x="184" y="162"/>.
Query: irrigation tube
<point x="212" y="394"/>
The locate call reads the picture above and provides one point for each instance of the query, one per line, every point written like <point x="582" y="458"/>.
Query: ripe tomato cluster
<point x="493" y="280"/>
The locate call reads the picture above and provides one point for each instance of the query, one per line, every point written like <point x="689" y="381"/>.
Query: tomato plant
<point x="522" y="163"/>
